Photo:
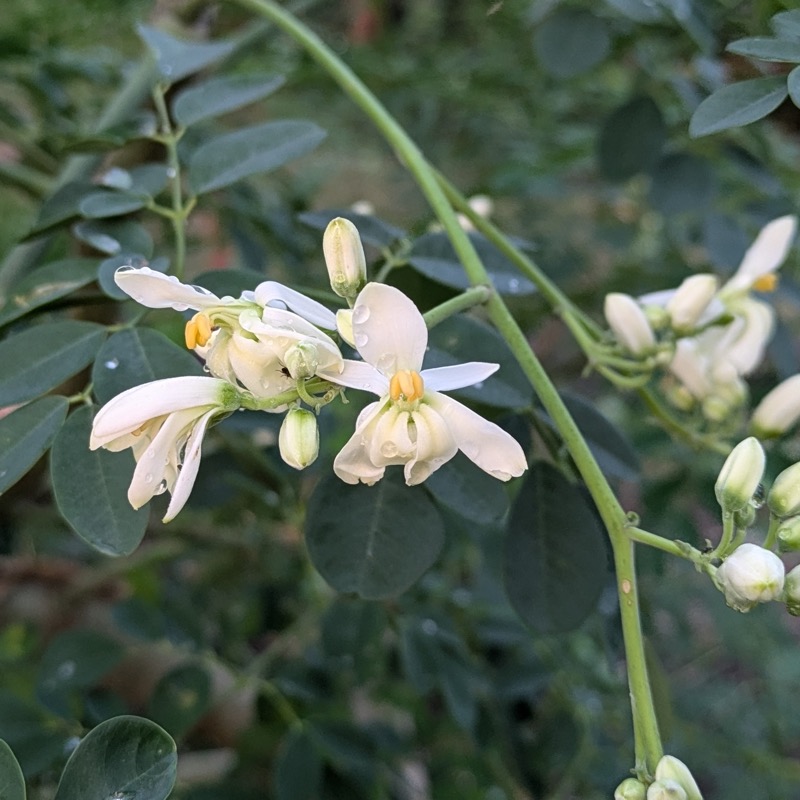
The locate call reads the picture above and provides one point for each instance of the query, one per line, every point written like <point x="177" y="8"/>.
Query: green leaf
<point x="135" y="356"/>
<point x="554" y="553"/>
<point x="464" y="338"/>
<point x="220" y="95"/>
<point x="45" y="284"/>
<point x="262" y="148"/>
<point x="12" y="783"/>
<point x="124" y="758"/>
<point x="113" y="237"/>
<point x="372" y="230"/>
<point x="90" y="489"/>
<point x="177" y="58"/>
<point x="75" y="659"/>
<point x="631" y="139"/>
<point x="298" y="768"/>
<point x="786" y="24"/>
<point x="682" y="183"/>
<point x="570" y="42"/>
<point x="42" y="357"/>
<point x="26" y="435"/>
<point x="110" y="204"/>
<point x="738" y="104"/>
<point x="765" y="48"/>
<point x="373" y="540"/>
<point x="62" y="205"/>
<point x="180" y="699"/>
<point x="107" y="268"/>
<point x="433" y="255"/>
<point x="793" y="85"/>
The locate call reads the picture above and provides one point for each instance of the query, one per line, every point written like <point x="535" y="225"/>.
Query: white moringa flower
<point x="629" y="323"/>
<point x="779" y="410"/>
<point x="413" y="423"/>
<point x="163" y="422"/>
<point x="749" y="576"/>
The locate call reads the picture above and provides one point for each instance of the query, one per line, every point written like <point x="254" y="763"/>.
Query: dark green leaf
<point x="738" y="104"/>
<point x="571" y="41"/>
<point x="466" y="489"/>
<point x="101" y="204"/>
<point x="124" y="758"/>
<point x="135" y="356"/>
<point x="786" y="24"/>
<point x="248" y="151"/>
<point x="45" y="284"/>
<point x="91" y="487"/>
<point x="638" y="10"/>
<point x="298" y="768"/>
<point x="793" y="85"/>
<point x="139" y="618"/>
<point x="433" y="255"/>
<point x="682" y="183"/>
<point x="113" y="237"/>
<point x="463" y="338"/>
<point x="554" y="553"/>
<point x="766" y="48"/>
<point x="140" y="125"/>
<point x="349" y="750"/>
<point x="63" y="205"/>
<point x="631" y="139"/>
<point x="220" y="95"/>
<point x="107" y="268"/>
<point x="26" y="435"/>
<point x="180" y="699"/>
<point x="373" y="540"/>
<point x="231" y="282"/>
<point x="12" y="784"/>
<point x="177" y="58"/>
<point x="148" y="180"/>
<point x="39" y="359"/>
<point x="372" y="230"/>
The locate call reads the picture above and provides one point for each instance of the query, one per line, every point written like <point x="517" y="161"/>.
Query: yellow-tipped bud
<point x="344" y="257"/>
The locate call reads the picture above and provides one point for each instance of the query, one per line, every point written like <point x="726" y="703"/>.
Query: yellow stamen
<point x="198" y="331"/>
<point x="766" y="283"/>
<point x="407" y="385"/>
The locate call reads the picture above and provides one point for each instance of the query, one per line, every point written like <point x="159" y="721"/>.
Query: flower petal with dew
<point x="413" y="424"/>
<point x="163" y="422"/>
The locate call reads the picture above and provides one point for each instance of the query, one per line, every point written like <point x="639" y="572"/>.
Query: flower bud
<point x="784" y="496"/>
<point x="749" y="576"/>
<point x="779" y="410"/>
<point x="302" y="360"/>
<point x="666" y="789"/>
<point x="344" y="257"/>
<point x="788" y="535"/>
<point x="629" y="323"/>
<point x="791" y="592"/>
<point x="298" y="439"/>
<point x="690" y="300"/>
<point x="630" y="789"/>
<point x="671" y="768"/>
<point x="740" y="475"/>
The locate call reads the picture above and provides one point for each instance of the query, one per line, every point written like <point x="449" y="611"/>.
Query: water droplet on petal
<point x="478" y="385"/>
<point x="361" y="339"/>
<point x="112" y="363"/>
<point x="148" y="478"/>
<point x="360" y="314"/>
<point x="389" y="449"/>
<point x="65" y="671"/>
<point x="386" y="363"/>
<point x="172" y="172"/>
<point x="162" y="487"/>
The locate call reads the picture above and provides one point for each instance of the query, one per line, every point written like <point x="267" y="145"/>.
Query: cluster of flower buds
<point x="710" y="338"/>
<point x="273" y="349"/>
<point x="673" y="781"/>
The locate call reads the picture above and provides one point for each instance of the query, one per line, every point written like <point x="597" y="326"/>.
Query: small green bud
<point x="298" y="439"/>
<point x="666" y="789"/>
<point x="302" y="360"/>
<point x="788" y="534"/>
<point x="344" y="257"/>
<point x="740" y="475"/>
<point x="749" y="576"/>
<point x="791" y="592"/>
<point x="671" y="768"/>
<point x="630" y="789"/>
<point x="784" y="496"/>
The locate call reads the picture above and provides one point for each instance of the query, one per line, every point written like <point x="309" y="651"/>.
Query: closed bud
<point x="740" y="475"/>
<point x="344" y="257"/>
<point x="666" y="789"/>
<point x="788" y="535"/>
<point x="690" y="300"/>
<point x="630" y="789"/>
<point x="302" y="360"/>
<point x="791" y="592"/>
<point x="749" y="576"/>
<point x="298" y="439"/>
<point x="629" y="323"/>
<point x="784" y="496"/>
<point x="779" y="410"/>
<point x="671" y="768"/>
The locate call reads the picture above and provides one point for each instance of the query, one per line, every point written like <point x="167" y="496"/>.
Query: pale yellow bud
<point x="344" y="257"/>
<point x="630" y="789"/>
<point x="740" y="475"/>
<point x="784" y="496"/>
<point x="779" y="410"/>
<point x="629" y="323"/>
<point x="666" y="790"/>
<point x="791" y="592"/>
<point x="302" y="360"/>
<point x="690" y="300"/>
<point x="671" y="768"/>
<point x="298" y="439"/>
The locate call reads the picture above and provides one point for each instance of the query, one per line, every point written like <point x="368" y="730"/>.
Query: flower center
<point x="766" y="283"/>
<point x="406" y="385"/>
<point x="198" y="330"/>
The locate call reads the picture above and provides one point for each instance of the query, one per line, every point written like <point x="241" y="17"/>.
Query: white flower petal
<point x="388" y="329"/>
<point x="765" y="255"/>
<point x="481" y="441"/>
<point x="435" y="445"/>
<point x="691" y="368"/>
<point x="352" y="464"/>
<point x="749" y="335"/>
<point x="276" y="295"/>
<point x="442" y="379"/>
<point x="390" y="441"/>
<point x="629" y="323"/>
<point x="358" y="375"/>
<point x="191" y="463"/>
<point x="157" y="290"/>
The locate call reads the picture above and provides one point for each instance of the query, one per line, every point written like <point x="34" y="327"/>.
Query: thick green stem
<point x="648" y="750"/>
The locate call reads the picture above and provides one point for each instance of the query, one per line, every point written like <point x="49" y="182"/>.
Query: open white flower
<point x="163" y="422"/>
<point x="413" y="423"/>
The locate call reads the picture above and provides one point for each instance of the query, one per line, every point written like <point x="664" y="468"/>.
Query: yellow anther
<point x="407" y="385"/>
<point x="766" y="283"/>
<point x="198" y="331"/>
